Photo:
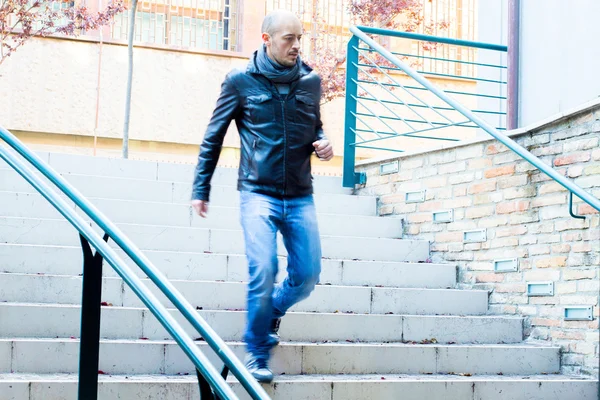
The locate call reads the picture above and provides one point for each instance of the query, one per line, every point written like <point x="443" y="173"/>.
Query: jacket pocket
<point x="261" y="108"/>
<point x="306" y="110"/>
<point x="251" y="167"/>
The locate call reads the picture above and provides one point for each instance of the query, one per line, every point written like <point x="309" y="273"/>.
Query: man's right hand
<point x="201" y="207"/>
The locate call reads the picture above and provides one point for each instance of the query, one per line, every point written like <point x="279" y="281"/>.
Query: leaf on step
<point x="379" y="286"/>
<point x="451" y="342"/>
<point x="500" y="373"/>
<point x="144" y="338"/>
<point x="350" y="341"/>
<point x="336" y="311"/>
<point x="73" y="337"/>
<point x="383" y="378"/>
<point x="389" y="313"/>
<point x="105" y="304"/>
<point x="199" y="308"/>
<point x="465" y="374"/>
<point x="207" y="252"/>
<point x="199" y="339"/>
<point x="100" y="372"/>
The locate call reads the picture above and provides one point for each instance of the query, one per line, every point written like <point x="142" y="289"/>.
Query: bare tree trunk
<point x="129" y="78"/>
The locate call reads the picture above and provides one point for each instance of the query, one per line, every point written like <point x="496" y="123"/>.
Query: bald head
<point x="277" y="19"/>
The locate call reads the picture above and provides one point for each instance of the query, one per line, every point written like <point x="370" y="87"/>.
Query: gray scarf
<point x="274" y="71"/>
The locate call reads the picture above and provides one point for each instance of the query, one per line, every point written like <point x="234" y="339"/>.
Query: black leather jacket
<point x="276" y="133"/>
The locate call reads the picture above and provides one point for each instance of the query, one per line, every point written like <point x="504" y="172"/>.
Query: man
<point x="275" y="105"/>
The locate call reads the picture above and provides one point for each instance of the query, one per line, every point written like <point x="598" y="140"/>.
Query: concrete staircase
<point x="383" y="323"/>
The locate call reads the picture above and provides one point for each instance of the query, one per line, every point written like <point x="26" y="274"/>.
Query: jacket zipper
<point x="284" y="147"/>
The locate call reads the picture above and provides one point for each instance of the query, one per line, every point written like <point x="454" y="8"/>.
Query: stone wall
<point x="525" y="216"/>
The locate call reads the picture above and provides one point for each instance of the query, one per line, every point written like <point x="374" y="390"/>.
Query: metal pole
<point x="351" y="105"/>
<point x="89" y="345"/>
<point x="129" y="78"/>
<point x="514" y="16"/>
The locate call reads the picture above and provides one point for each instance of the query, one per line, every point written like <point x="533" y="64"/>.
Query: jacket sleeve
<point x="228" y="105"/>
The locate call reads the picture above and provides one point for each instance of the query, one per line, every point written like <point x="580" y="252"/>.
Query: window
<point x="205" y="24"/>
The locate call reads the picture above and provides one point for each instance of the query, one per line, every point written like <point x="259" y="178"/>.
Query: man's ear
<point x="266" y="38"/>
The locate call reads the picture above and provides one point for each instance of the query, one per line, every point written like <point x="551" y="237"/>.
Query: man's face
<point x="283" y="45"/>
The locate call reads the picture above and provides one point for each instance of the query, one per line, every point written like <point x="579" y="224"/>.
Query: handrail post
<point x="514" y="14"/>
<point x="349" y="179"/>
<point x="89" y="344"/>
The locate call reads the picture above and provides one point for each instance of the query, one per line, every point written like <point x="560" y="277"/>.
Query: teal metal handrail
<point x="209" y="335"/>
<point x="428" y="38"/>
<point x="360" y="33"/>
<point x="391" y="108"/>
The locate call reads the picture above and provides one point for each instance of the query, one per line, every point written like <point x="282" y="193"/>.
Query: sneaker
<point x="275" y="330"/>
<point x="259" y="369"/>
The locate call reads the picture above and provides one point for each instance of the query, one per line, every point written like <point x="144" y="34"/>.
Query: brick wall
<point x="525" y="215"/>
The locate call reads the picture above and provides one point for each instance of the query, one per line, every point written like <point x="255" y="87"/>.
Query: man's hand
<point x="201" y="207"/>
<point x="324" y="149"/>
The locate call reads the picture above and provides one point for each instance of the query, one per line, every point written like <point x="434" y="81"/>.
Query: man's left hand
<point x="324" y="149"/>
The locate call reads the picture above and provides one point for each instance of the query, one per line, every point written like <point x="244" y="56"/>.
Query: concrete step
<point x="33" y="205"/>
<point x="313" y="387"/>
<point x="156" y="171"/>
<point x="54" y="320"/>
<point x="187" y="239"/>
<point x="210" y="295"/>
<point x="64" y="260"/>
<point x="180" y="192"/>
<point x="165" y="357"/>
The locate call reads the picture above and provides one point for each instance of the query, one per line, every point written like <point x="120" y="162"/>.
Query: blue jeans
<point x="262" y="216"/>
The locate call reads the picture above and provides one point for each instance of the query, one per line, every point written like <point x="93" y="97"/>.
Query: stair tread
<point x="195" y="228"/>
<point x="408" y="289"/>
<point x="165" y="203"/>
<point x="476" y="317"/>
<point x="16" y="377"/>
<point x="522" y="345"/>
<point x="388" y="263"/>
